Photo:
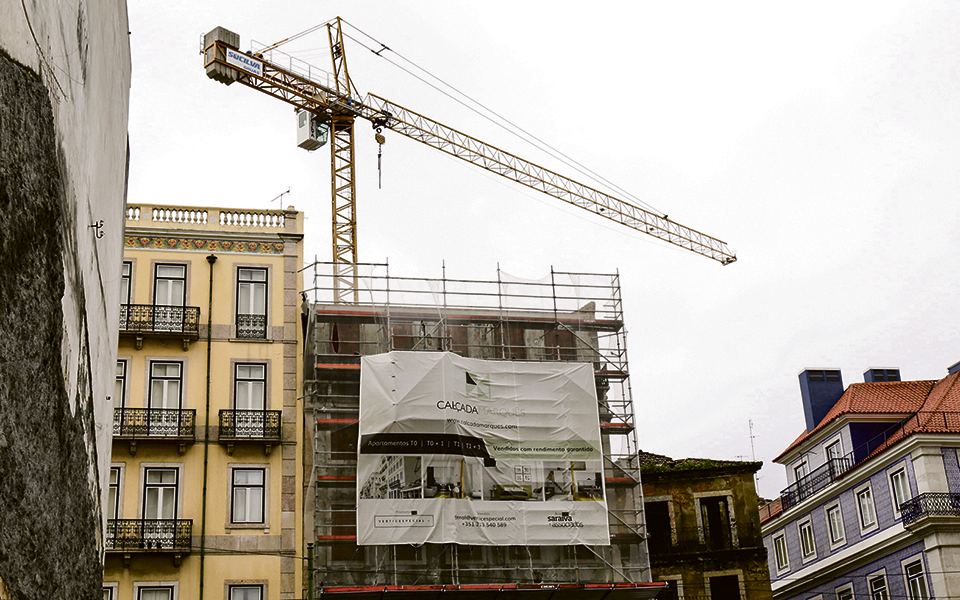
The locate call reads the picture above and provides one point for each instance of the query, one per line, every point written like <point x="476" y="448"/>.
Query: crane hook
<point x="381" y="141"/>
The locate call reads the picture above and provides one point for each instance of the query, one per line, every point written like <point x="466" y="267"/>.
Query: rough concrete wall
<point x="81" y="52"/>
<point x="49" y="497"/>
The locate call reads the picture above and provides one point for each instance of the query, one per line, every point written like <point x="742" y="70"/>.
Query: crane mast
<point x="339" y="104"/>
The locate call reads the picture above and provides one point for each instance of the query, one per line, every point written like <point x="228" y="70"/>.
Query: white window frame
<point x="139" y="585"/>
<point x="113" y="587"/>
<point x="118" y="513"/>
<point x="806" y="524"/>
<point x="232" y="587"/>
<point x="229" y="584"/>
<point x="909" y="562"/>
<point x="230" y="523"/>
<point x="157" y="278"/>
<point x="125" y="382"/>
<point x="126" y="265"/>
<point x="847" y="587"/>
<point x="857" y="492"/>
<point x="871" y="577"/>
<point x="902" y="469"/>
<point x="141" y="504"/>
<point x="837" y="441"/>
<point x="843" y="534"/>
<point x="781" y="536"/>
<point x="801" y="465"/>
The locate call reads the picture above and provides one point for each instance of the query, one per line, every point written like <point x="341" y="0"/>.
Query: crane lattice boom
<point x="338" y="106"/>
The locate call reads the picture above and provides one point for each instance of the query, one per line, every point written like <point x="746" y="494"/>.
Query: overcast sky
<point x="820" y="140"/>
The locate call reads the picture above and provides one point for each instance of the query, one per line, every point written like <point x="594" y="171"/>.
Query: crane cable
<point x="537" y="142"/>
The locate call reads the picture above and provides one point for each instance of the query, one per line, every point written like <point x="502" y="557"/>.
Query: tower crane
<point x="327" y="108"/>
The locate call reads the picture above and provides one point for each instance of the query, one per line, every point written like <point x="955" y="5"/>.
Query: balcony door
<point x="166" y="394"/>
<point x="160" y="494"/>
<point x="250" y="400"/>
<point x="169" y="293"/>
<point x="252" y="303"/>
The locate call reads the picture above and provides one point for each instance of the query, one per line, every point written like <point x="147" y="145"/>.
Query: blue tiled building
<point x="873" y="505"/>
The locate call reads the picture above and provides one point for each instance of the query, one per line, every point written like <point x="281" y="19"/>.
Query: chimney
<point x="820" y="389"/>
<point x="953" y="368"/>
<point x="874" y="374"/>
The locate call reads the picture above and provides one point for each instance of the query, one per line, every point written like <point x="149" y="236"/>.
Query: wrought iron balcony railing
<point x="150" y="318"/>
<point x="252" y="326"/>
<point x="149" y="535"/>
<point x="149" y="423"/>
<point x="815" y="481"/>
<point x="939" y="504"/>
<point x="694" y="540"/>
<point x="250" y="425"/>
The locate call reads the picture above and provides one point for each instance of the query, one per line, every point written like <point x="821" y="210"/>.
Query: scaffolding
<point x="563" y="317"/>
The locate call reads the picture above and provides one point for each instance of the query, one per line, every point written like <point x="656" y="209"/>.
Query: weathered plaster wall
<point x="64" y="89"/>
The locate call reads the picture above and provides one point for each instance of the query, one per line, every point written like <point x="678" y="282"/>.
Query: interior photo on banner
<point x="472" y="451"/>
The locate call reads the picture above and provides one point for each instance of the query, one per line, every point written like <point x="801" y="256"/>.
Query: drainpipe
<point x="206" y="430"/>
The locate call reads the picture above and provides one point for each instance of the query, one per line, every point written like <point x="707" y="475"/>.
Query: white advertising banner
<point x="470" y="451"/>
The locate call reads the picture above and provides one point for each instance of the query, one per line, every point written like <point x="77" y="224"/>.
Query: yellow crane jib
<point x="334" y="105"/>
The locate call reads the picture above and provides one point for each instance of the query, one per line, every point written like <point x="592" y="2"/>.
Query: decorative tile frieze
<point x="142" y="242"/>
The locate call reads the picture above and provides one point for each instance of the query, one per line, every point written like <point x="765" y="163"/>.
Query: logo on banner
<point x="478" y="386"/>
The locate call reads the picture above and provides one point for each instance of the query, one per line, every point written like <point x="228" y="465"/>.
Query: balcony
<point x="129" y="536"/>
<point x="252" y="327"/>
<point x="242" y="426"/>
<point x="930" y="506"/>
<point x="815" y="481"/>
<point x="698" y="540"/>
<point x="140" y="320"/>
<point x="154" y="424"/>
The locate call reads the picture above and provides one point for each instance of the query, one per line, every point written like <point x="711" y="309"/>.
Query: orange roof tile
<point x="890" y="397"/>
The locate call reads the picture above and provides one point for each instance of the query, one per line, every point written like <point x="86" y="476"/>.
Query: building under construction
<point x="574" y="317"/>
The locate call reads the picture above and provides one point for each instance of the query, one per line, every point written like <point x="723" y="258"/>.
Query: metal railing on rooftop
<point x="815" y="481"/>
<point x="823" y="476"/>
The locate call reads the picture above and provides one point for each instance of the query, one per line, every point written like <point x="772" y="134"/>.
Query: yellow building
<point x="203" y="499"/>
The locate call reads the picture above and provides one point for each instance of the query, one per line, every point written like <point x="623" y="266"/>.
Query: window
<point x="659" y="527"/>
<point x="125" y="272"/>
<point x="868" y="517"/>
<point x="166" y="384"/>
<point x="169" y="285"/>
<point x="715" y="519"/>
<point x="834" y="451"/>
<point x="725" y="586"/>
<point x="878" y="588"/>
<point x="900" y="488"/>
<point x="916" y="581"/>
<point x="113" y="494"/>
<point x="343" y="443"/>
<point x="160" y="493"/>
<point x="251" y="384"/>
<point x="155" y="593"/>
<point x="120" y="389"/>
<point x="672" y="592"/>
<point x="780" y="549"/>
<point x="249" y="486"/>
<point x="800" y="471"/>
<point x="808" y="546"/>
<point x="845" y="592"/>
<point x="246" y="592"/>
<point x="251" y="303"/>
<point x="835" y="524"/>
